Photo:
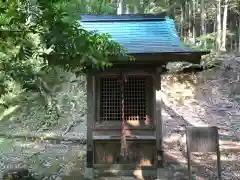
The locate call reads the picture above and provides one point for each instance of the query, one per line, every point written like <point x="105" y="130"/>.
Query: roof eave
<point x="173" y="53"/>
<point x="158" y="59"/>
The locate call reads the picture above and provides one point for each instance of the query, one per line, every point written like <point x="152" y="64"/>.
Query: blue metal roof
<point x="139" y="34"/>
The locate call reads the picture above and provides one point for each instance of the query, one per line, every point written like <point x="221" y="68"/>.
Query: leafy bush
<point x="38" y="35"/>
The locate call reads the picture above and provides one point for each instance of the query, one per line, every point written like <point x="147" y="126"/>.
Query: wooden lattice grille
<point x="110" y="99"/>
<point x="135" y="99"/>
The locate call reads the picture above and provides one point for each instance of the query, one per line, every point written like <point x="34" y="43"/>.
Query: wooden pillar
<point x="90" y="122"/>
<point x="159" y="126"/>
<point x="158" y="120"/>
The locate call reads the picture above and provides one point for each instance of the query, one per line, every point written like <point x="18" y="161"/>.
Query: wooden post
<point x="158" y="122"/>
<point x="91" y="99"/>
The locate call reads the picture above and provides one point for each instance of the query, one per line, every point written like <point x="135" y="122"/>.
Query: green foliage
<point x="207" y="41"/>
<point x="38" y="35"/>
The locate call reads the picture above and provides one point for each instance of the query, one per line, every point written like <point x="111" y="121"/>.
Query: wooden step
<point x="127" y="137"/>
<point x="117" y="178"/>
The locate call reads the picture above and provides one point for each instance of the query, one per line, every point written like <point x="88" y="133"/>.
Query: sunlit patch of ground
<point x="31" y="116"/>
<point x="43" y="159"/>
<point x="204" y="164"/>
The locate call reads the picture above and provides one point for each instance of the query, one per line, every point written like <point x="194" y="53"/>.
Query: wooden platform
<point x="107" y="153"/>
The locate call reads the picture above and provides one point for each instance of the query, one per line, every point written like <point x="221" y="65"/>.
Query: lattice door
<point x="124" y="97"/>
<point x="135" y="100"/>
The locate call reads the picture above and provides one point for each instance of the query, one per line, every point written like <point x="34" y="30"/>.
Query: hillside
<point x="33" y="111"/>
<point x="203" y="99"/>
<point x="207" y="98"/>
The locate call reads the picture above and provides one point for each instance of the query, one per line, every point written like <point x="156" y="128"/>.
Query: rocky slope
<point x="209" y="98"/>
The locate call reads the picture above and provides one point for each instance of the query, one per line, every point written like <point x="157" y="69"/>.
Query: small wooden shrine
<point x="124" y="125"/>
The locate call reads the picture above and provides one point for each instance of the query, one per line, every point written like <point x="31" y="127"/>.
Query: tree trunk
<point x="132" y="6"/>
<point x="189" y="21"/>
<point x="224" y="28"/>
<point x="182" y="21"/>
<point x="120" y="9"/>
<point x="239" y="34"/>
<point x="128" y="9"/>
<point x="193" y="20"/>
<point x="231" y="38"/>
<point x="218" y="39"/>
<point x="136" y="6"/>
<point x="202" y="23"/>
<point x="236" y="33"/>
<point x="238" y="22"/>
<point x="185" y="20"/>
<point x="171" y="6"/>
<point x="196" y="23"/>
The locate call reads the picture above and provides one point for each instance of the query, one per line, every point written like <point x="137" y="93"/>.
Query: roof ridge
<point x="123" y="17"/>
